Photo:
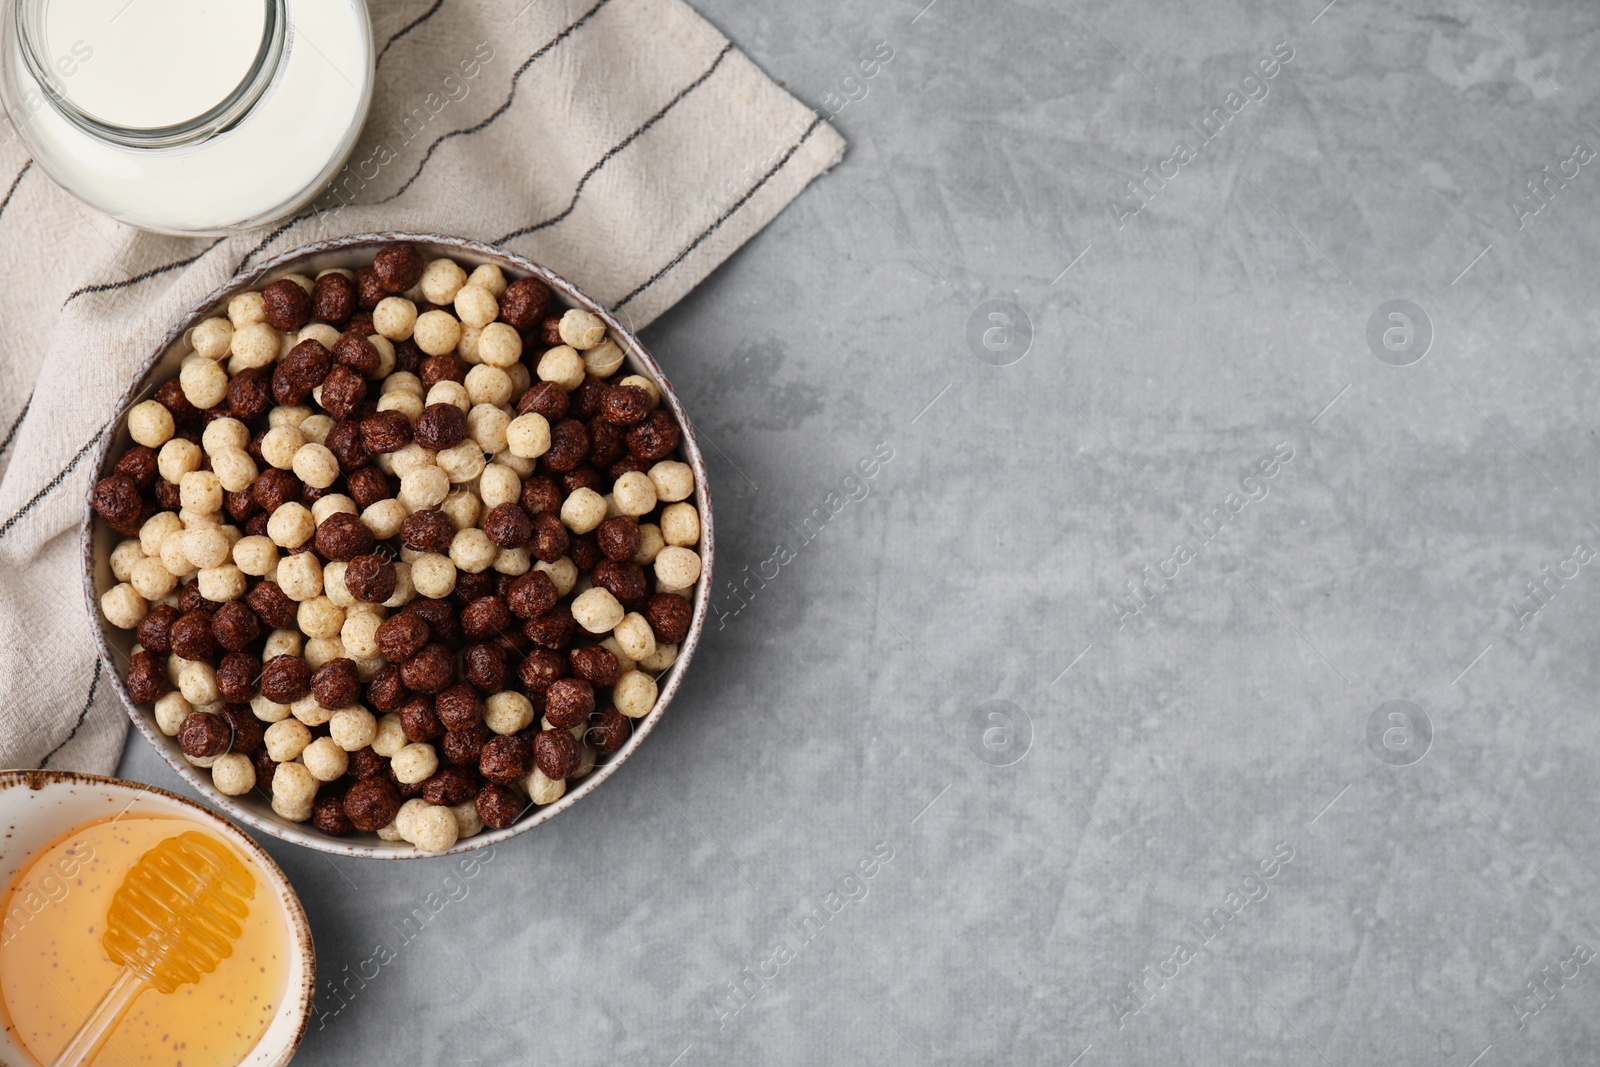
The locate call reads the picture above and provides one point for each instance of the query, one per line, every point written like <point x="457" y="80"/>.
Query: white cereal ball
<point x="286" y="738"/>
<point x="173" y="557"/>
<point x="676" y="568"/>
<point x="647" y="385"/>
<point x="288" y="415"/>
<point x="233" y="774"/>
<point x="352" y="728"/>
<point x="563" y="574"/>
<point x="663" y="657"/>
<point x="476" y="306"/>
<point x="563" y="366"/>
<point x="635" y="494"/>
<point x="513" y="561"/>
<point x="332" y="504"/>
<point x="586" y="758"/>
<point x="294" y="787"/>
<point x="389" y="833"/>
<point x="198" y="683"/>
<point x="359" y="634"/>
<point x="321" y="617"/>
<point x="125" y="555"/>
<point x="211" y="338"/>
<point x="308" y="711"/>
<point x="402" y="381"/>
<point x="521" y="378"/>
<point x="394" y="318"/>
<point x="467" y="347"/>
<point x="583" y="510"/>
<point x="650" y="544"/>
<point x="674" y="481"/>
<point x="488" y="385"/>
<point x="472" y="551"/>
<point x="404" y="591"/>
<point x="633" y="633"/>
<point x="390" y="736"/>
<point x="325" y="759"/>
<point x="384" y="518"/>
<point x="441" y="280"/>
<point x="521" y="464"/>
<point x="204" y="383"/>
<point x="680" y="525"/>
<point x="499" y="345"/>
<point x="221" y="584"/>
<point x="316" y="427"/>
<point x="498" y="484"/>
<point x="463" y="506"/>
<point x="255" y="344"/>
<point x="433" y="575"/>
<point x="282" y="643"/>
<point x="437" y="333"/>
<point x="542" y="790"/>
<point x="192" y="518"/>
<point x="449" y="392"/>
<point x="528" y="436"/>
<point x="177" y="458"/>
<point x="434" y="829"/>
<point x="634" y="694"/>
<point x="320" y="332"/>
<point x="200" y="491"/>
<point x="489" y="277"/>
<point x="624" y="664"/>
<point x="321" y="650"/>
<point x="247" y="308"/>
<point x="122" y="606"/>
<point x="292" y="525"/>
<point x="604" y="359"/>
<point x="234" y="469"/>
<point x="424" y="487"/>
<point x="150" y="424"/>
<point x="268" y="710"/>
<point x="582" y="329"/>
<point x="596" y="610"/>
<point x="467" y="819"/>
<point x="279" y="445"/>
<point x="155" y="530"/>
<point x="300" y="576"/>
<point x="408" y="405"/>
<point x="170" y="711"/>
<point x="463" y="462"/>
<point x="506" y="713"/>
<point x="151" y="580"/>
<point x="223" y="433"/>
<point x="612" y="510"/>
<point x="316" y="466"/>
<point x="412" y="457"/>
<point x="414" y="763"/>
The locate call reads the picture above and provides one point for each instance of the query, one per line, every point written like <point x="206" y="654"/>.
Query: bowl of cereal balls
<point x="399" y="546"/>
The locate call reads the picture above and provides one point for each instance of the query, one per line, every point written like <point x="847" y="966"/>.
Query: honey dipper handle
<point x="99" y="1024"/>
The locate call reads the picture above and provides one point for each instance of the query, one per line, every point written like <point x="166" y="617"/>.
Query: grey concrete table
<point x="1070" y="735"/>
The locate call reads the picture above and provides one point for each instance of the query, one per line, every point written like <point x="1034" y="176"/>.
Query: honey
<point x="54" y="968"/>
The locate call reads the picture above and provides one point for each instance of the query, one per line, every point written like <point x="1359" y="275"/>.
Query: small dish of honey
<point x="98" y="910"/>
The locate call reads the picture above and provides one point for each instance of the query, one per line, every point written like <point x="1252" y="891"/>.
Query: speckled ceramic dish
<point x="38" y="807"/>
<point x="116" y="645"/>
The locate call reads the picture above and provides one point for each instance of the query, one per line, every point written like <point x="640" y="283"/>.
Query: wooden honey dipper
<point x="176" y="916"/>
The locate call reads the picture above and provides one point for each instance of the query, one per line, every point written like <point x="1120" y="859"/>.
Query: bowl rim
<point x="283" y="263"/>
<point x="36" y="780"/>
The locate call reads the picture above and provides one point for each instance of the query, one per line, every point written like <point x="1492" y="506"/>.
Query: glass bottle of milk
<point x="188" y="116"/>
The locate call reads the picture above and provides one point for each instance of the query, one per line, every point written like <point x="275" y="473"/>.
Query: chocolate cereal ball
<point x="539" y="669"/>
<point x="506" y="759"/>
<point x="139" y="463"/>
<point x="147" y="680"/>
<point x="619" y="538"/>
<point x="432" y="669"/>
<point x="286" y="305"/>
<point x="397" y="267"/>
<point x="465" y="746"/>
<point x="568" y="702"/>
<point x="439" y="615"/>
<point x="524" y="302"/>
<point x="355" y="351"/>
<point x="249" y="732"/>
<point x="440" y="426"/>
<point x="285" y="679"/>
<point x="531" y="595"/>
<point x="427" y="531"/>
<point x="272" y="605"/>
<point x="386" y="692"/>
<point x="484" y="618"/>
<point x="450" y="785"/>
<point x="371" y="804"/>
<point x="371" y="578"/>
<point x="609" y="730"/>
<point x="336" y="684"/>
<point x="594" y="664"/>
<point x="541" y="494"/>
<point x="402" y="636"/>
<point x="202" y="735"/>
<point x="367" y="486"/>
<point x="625" y="581"/>
<point x="116" y="500"/>
<point x="155" y="629"/>
<point x="508" y="526"/>
<point x="484" y="665"/>
<point x="237" y="676"/>
<point x="625" y="405"/>
<point x="192" y="638"/>
<point x="365" y="763"/>
<point x="550" y="540"/>
<point x="419" y="721"/>
<point x="328" y="815"/>
<point x="386" y="431"/>
<point x="342" y="391"/>
<point x="498" y="805"/>
<point x="669" y="617"/>
<point x="333" y="298"/>
<point x="547" y="399"/>
<point x="555" y="753"/>
<point x="343" y="537"/>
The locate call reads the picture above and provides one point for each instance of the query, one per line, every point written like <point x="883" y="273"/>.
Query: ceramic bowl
<point x="116" y="645"/>
<point x="38" y="807"/>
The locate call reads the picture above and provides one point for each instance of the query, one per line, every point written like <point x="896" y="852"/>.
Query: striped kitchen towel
<point x="626" y="144"/>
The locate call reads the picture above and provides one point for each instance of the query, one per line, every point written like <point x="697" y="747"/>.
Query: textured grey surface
<point x="845" y="707"/>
